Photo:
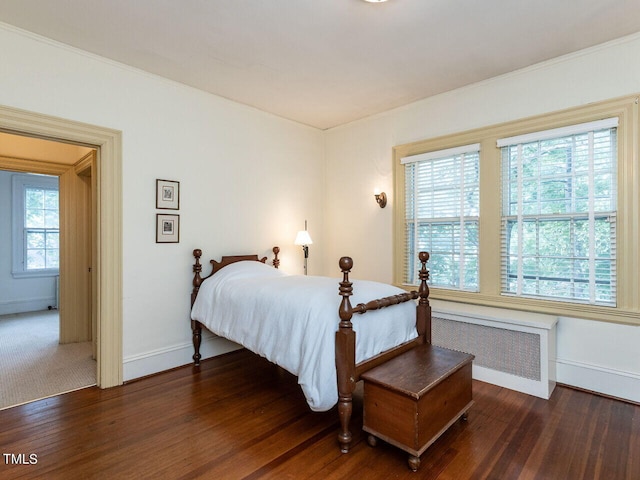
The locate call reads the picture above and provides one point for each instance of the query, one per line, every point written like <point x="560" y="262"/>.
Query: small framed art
<point x="167" y="194"/>
<point x="167" y="228"/>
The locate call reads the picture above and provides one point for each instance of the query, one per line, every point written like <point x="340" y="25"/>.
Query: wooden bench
<point x="412" y="399"/>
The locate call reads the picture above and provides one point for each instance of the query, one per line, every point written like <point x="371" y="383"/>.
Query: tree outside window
<point x="559" y="215"/>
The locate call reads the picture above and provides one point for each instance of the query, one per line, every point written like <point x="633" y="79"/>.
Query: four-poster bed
<point x="242" y="290"/>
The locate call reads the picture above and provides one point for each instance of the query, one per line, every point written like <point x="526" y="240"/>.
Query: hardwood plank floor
<point x="240" y="417"/>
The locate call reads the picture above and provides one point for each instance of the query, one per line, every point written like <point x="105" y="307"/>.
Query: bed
<point x="291" y="320"/>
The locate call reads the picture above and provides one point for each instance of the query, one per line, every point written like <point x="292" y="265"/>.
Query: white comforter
<point x="292" y="319"/>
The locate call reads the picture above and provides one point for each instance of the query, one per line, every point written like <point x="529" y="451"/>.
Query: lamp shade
<point x="303" y="238"/>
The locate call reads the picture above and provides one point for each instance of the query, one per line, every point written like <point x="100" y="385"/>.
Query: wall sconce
<point x="303" y="238"/>
<point x="381" y="198"/>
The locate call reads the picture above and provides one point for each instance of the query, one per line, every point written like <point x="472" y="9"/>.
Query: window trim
<point x="18" y="184"/>
<point x="626" y="110"/>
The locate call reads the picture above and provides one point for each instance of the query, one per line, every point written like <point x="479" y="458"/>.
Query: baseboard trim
<point x="28" y="305"/>
<point x="599" y="394"/>
<point x="155" y="361"/>
<point x="606" y="381"/>
<point x="593" y="378"/>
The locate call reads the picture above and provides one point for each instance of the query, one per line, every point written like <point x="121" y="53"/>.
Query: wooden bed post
<point x="196" y="327"/>
<point x="423" y="314"/>
<point x="276" y="260"/>
<point x="345" y="357"/>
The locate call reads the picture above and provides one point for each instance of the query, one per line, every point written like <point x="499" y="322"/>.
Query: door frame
<point x="108" y="223"/>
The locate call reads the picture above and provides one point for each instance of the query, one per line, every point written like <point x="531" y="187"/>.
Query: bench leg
<point x="414" y="463"/>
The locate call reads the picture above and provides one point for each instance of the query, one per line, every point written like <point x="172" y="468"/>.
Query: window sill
<point x="36" y="273"/>
<point x="560" y="309"/>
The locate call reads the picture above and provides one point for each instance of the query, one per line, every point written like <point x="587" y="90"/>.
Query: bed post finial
<point x="424" y="274"/>
<point x="346" y="289"/>
<point x="424" y="309"/>
<point x="276" y="260"/>
<point x="345" y="357"/>
<point x="197" y="279"/>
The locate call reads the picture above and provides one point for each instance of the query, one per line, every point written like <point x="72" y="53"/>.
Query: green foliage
<point x="560" y="216"/>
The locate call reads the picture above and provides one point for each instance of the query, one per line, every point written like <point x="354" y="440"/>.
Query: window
<point x="441" y="216"/>
<point x="545" y="218"/>
<point x="559" y="213"/>
<point x="36" y="231"/>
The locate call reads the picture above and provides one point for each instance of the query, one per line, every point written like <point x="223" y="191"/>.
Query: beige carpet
<point x="32" y="363"/>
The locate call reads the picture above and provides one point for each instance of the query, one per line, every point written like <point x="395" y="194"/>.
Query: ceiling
<point x="326" y="62"/>
<point x="30" y="148"/>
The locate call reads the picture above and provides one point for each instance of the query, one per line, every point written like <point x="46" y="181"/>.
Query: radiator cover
<point x="513" y="349"/>
<point x="508" y="351"/>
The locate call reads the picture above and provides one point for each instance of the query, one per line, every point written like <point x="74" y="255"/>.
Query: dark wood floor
<point x="241" y="417"/>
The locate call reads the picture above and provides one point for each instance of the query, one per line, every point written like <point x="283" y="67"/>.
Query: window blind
<point x="559" y="132"/>
<point x="441" y="216"/>
<point x="559" y="214"/>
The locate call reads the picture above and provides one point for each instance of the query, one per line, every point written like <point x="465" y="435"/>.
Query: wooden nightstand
<point x="412" y="399"/>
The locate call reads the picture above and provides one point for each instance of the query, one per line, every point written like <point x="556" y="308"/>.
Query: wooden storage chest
<point x="412" y="399"/>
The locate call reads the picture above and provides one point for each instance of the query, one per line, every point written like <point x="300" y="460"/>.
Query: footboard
<point x="348" y="371"/>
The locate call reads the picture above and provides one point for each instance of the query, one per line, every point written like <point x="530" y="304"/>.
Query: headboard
<point x="224" y="261"/>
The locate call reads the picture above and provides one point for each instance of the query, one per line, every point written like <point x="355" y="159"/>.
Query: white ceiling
<point x="327" y="62"/>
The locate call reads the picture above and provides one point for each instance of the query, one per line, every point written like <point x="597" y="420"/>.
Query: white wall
<point x="595" y="355"/>
<point x="248" y="180"/>
<point x="18" y="294"/>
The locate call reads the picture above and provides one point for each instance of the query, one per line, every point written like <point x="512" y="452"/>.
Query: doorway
<point x="107" y="267"/>
<point x="47" y="232"/>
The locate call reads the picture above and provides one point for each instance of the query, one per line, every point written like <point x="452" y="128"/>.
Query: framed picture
<point x="167" y="228"/>
<point x="167" y="194"/>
